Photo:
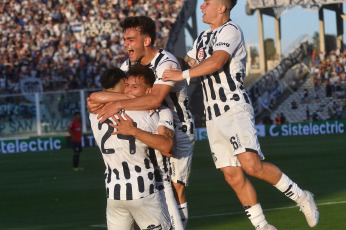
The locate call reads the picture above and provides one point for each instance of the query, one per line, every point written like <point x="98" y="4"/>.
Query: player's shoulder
<point x="229" y="26"/>
<point x="165" y="56"/>
<point x="125" y="66"/>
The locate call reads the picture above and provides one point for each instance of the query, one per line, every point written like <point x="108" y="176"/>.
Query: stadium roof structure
<point x="276" y="8"/>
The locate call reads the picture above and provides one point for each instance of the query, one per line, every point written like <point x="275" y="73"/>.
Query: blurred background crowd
<point x="43" y="39"/>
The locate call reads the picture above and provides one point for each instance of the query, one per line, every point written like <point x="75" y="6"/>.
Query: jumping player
<point x="218" y="57"/>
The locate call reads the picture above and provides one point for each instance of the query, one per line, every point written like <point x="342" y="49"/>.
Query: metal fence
<point x="42" y="114"/>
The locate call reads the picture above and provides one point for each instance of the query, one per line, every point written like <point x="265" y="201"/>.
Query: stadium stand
<point x="322" y="95"/>
<point x="43" y="39"/>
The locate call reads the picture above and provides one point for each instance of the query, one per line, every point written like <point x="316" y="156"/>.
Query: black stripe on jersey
<point x="211" y="87"/>
<point x="147" y="163"/>
<point x="138" y="169"/>
<point x="129" y="191"/>
<point x="208" y="37"/>
<point x="240" y="80"/>
<point x="116" y="194"/>
<point x="169" y="60"/>
<point x="151" y="189"/>
<point x="226" y="108"/>
<point x="165" y="163"/>
<point x="151" y="175"/>
<point x="116" y="172"/>
<point x="246" y="97"/>
<point x="204" y="89"/>
<point x="126" y="170"/>
<point x="140" y="182"/>
<point x="226" y="24"/>
<point x="217" y="77"/>
<point x="178" y="108"/>
<point x="158" y="59"/>
<point x="230" y="81"/>
<point x="209" y="112"/>
<point x="109" y="177"/>
<point x="236" y="97"/>
<point x="222" y="95"/>
<point x="199" y="37"/>
<point x="251" y="150"/>
<point x="217" y="110"/>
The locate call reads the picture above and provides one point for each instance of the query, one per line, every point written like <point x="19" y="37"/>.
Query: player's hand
<point x="124" y="127"/>
<point x="108" y="110"/>
<point x="93" y="107"/>
<point x="172" y="75"/>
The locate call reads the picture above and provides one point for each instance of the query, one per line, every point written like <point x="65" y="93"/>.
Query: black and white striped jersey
<point x="177" y="99"/>
<point x="129" y="171"/>
<point x="224" y="88"/>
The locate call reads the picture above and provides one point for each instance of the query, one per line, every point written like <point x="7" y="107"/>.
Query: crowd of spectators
<point x="37" y="39"/>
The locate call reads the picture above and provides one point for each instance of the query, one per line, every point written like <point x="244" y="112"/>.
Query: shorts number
<point x="234" y="143"/>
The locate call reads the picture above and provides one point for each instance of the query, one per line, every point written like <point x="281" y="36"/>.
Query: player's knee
<point x="253" y="170"/>
<point x="234" y="180"/>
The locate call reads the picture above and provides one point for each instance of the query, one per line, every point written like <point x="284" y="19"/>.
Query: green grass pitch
<point x="40" y="191"/>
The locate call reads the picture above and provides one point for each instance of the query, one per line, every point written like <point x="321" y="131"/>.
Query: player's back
<point x="129" y="172"/>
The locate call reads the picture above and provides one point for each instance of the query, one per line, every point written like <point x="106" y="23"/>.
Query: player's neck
<point x="217" y="23"/>
<point x="150" y="53"/>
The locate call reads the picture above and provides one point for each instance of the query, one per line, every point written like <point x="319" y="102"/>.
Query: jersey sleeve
<point x="166" y="118"/>
<point x="229" y="39"/>
<point x="165" y="65"/>
<point x="125" y="66"/>
<point x="192" y="52"/>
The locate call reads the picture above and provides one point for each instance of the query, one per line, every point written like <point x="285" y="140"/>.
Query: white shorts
<point x="184" y="141"/>
<point x="233" y="133"/>
<point x="146" y="212"/>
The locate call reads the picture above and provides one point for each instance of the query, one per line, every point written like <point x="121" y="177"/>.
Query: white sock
<point x="289" y="188"/>
<point x="183" y="213"/>
<point x="256" y="216"/>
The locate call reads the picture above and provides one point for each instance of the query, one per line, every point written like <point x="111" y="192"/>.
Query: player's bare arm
<point x="97" y="100"/>
<point x="209" y="66"/>
<point x="163" y="141"/>
<point x="148" y="101"/>
<point x="192" y="62"/>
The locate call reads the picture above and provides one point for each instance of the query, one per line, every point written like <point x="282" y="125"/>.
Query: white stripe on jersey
<point x="129" y="171"/>
<point x="177" y="99"/>
<point x="224" y="88"/>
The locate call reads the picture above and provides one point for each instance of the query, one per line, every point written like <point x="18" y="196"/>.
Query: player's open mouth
<point x="130" y="52"/>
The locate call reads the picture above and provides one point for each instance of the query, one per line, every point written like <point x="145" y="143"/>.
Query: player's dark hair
<point x="111" y="77"/>
<point x="147" y="26"/>
<point x="138" y="70"/>
<point x="233" y="3"/>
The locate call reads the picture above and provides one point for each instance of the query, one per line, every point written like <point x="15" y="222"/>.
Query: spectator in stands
<point x="36" y="38"/>
<point x="277" y="120"/>
<point x="267" y="120"/>
<point x="307" y="111"/>
<point x="305" y="97"/>
<point x="283" y="118"/>
<point x="294" y="105"/>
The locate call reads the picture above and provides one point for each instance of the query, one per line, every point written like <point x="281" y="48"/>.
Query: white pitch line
<point x="234" y="213"/>
<point x="269" y="209"/>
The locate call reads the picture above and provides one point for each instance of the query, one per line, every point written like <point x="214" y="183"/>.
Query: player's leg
<point x="76" y="152"/>
<point x="149" y="213"/>
<point x="249" y="154"/>
<point x="223" y="139"/>
<point x="118" y="217"/>
<point x="181" y="166"/>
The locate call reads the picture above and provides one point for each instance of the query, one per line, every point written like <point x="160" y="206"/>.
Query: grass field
<point x="40" y="191"/>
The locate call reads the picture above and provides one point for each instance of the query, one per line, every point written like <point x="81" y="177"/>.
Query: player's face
<point x="134" y="44"/>
<point x="210" y="9"/>
<point x="136" y="86"/>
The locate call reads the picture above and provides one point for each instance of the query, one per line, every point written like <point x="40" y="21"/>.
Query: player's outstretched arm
<point x="148" y="101"/>
<point x="209" y="66"/>
<point x="163" y="141"/>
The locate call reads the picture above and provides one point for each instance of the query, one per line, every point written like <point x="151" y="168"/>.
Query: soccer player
<point x="139" y="38"/>
<point x="131" y="193"/>
<point x="218" y="57"/>
<point x="74" y="129"/>
<point x="138" y="85"/>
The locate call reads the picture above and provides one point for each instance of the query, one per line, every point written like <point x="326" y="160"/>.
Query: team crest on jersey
<point x="200" y="54"/>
